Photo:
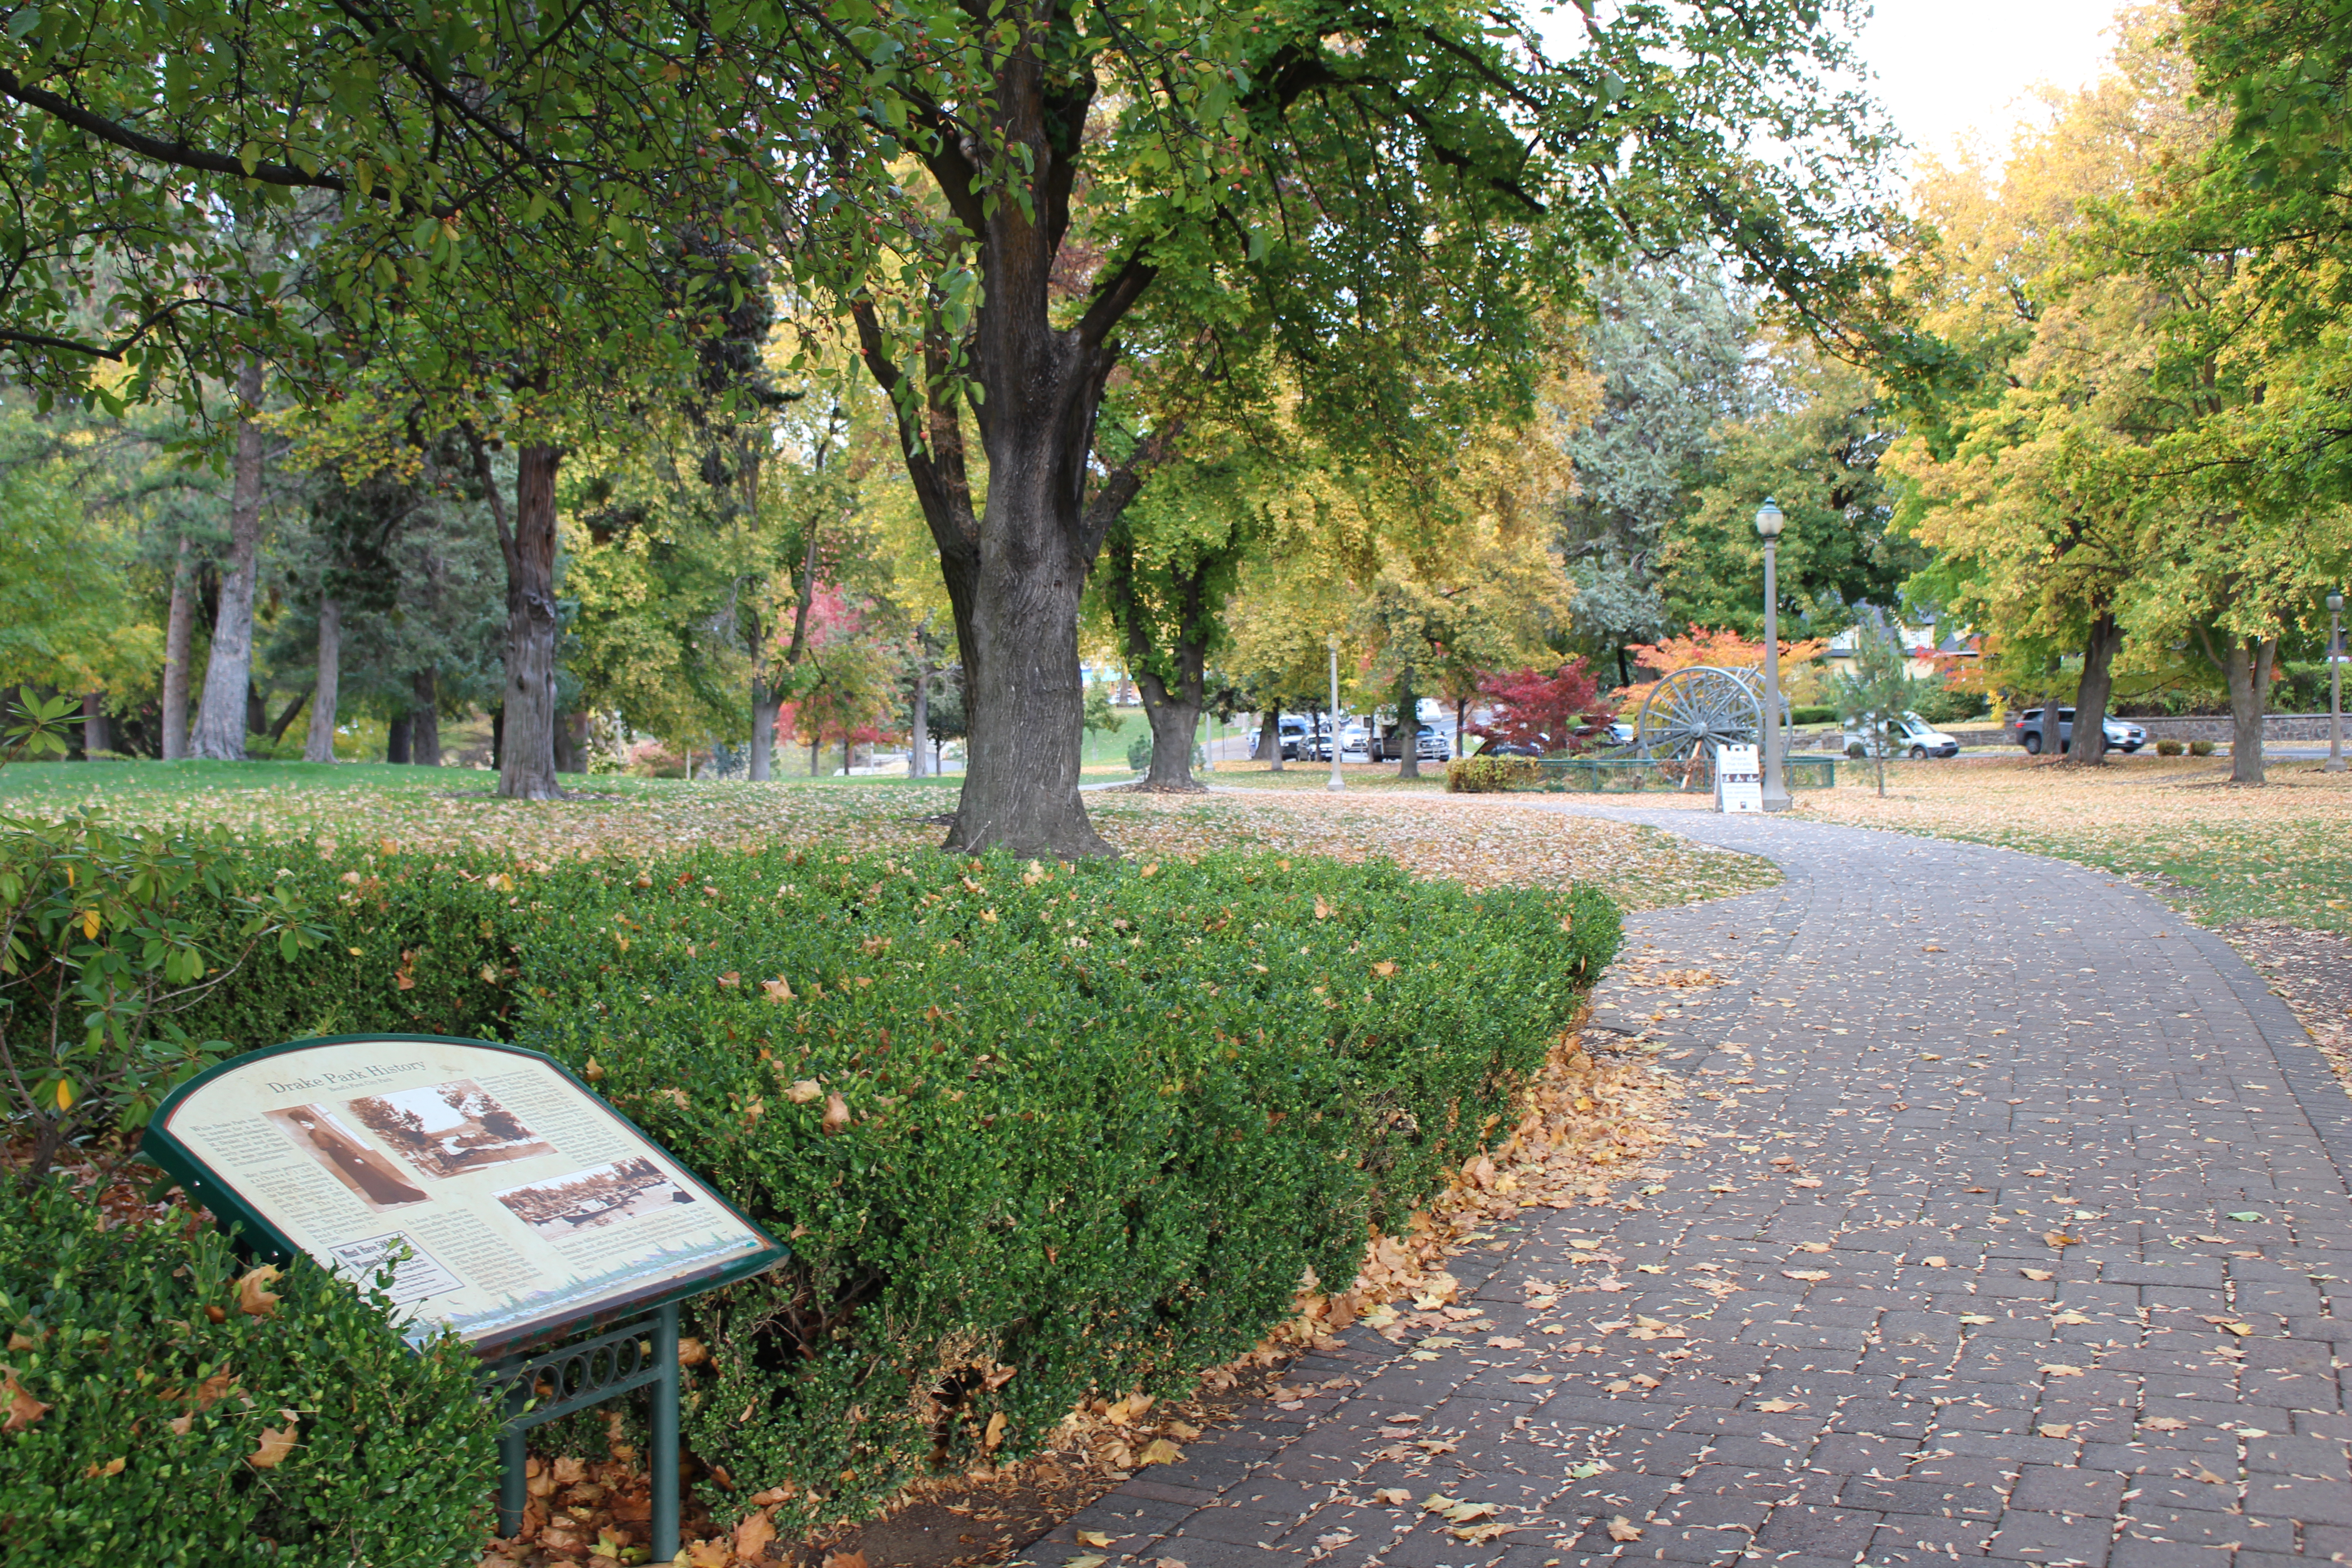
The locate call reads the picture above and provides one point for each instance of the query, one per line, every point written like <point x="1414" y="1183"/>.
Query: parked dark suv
<point x="2027" y="726"/>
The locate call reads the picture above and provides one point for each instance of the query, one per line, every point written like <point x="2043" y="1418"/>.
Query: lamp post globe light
<point x="1337" y="782"/>
<point x="1768" y="519"/>
<point x="2335" y="682"/>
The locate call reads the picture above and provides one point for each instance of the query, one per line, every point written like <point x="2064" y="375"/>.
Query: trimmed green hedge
<point x="156" y="1410"/>
<point x="1035" y="1133"/>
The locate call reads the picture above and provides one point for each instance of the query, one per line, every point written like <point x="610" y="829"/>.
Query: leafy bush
<point x="1487" y="775"/>
<point x="2167" y="748"/>
<point x="1954" y="705"/>
<point x="2201" y="748"/>
<point x="1034" y="1132"/>
<point x="153" y="1419"/>
<point x="1139" y="753"/>
<point x="1813" y="713"/>
<point x="105" y="937"/>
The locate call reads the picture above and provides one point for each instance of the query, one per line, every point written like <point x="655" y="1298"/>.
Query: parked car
<point x="1508" y="749"/>
<point x="2027" y="726"/>
<point x="1621" y="733"/>
<point x="1294" y="736"/>
<point x="1910" y="736"/>
<point x="1432" y="746"/>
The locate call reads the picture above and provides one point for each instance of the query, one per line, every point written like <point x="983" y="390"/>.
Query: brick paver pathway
<point x="1872" y="1350"/>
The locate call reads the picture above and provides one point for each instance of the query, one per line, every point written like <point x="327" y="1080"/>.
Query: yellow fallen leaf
<point x="2060" y="1369"/>
<point x="1778" y="1406"/>
<point x="1093" y="1538"/>
<point x="1159" y="1451"/>
<point x="2056" y="1429"/>
<point x="2037" y="1273"/>
<point x="995" y="1432"/>
<point x="1395" y="1496"/>
<point x="2060" y="1238"/>
<point x="1623" y="1529"/>
<point x="1812" y="1274"/>
<point x="111" y="1467"/>
<point x="1812" y="1247"/>
<point x="714" y="1552"/>
<point x="1937" y="1262"/>
<point x="2166" y="1424"/>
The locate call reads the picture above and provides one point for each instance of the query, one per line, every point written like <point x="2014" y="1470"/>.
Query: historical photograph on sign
<point x="566" y="1206"/>
<point x="373" y="1179"/>
<point x="449" y="1129"/>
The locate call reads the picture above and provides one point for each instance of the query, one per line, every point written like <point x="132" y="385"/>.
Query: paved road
<point x="1873" y="1352"/>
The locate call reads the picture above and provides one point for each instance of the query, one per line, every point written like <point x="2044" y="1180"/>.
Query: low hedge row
<point x="155" y="1414"/>
<point x="1033" y="1132"/>
<point x="1490" y="775"/>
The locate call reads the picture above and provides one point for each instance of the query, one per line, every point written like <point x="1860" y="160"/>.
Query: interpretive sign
<point x="510" y="1201"/>
<point x="1739" y="779"/>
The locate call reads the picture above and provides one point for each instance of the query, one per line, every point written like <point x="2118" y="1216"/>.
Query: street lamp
<point x="2335" y="683"/>
<point x="1337" y="782"/>
<point x="1768" y="519"/>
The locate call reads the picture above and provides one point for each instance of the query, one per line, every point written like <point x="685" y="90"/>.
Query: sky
<point x="1945" y="69"/>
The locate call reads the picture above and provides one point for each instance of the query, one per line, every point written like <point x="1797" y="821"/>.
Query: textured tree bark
<point x="425" y="719"/>
<point x="1269" y="738"/>
<point x="525" y="728"/>
<point x="1174" y="714"/>
<point x="2249" y="668"/>
<point x="2054" y="733"/>
<point x="395" y="740"/>
<point x="179" y="637"/>
<point x="2089" y="747"/>
<point x="220" y="717"/>
<point x="764" y="708"/>
<point x="319" y="745"/>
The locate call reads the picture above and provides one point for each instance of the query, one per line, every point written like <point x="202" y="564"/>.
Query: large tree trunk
<point x="1409" y="728"/>
<point x="318" y="746"/>
<point x="2248" y="666"/>
<point x="2054" y="733"/>
<point x="220" y="718"/>
<point x="1269" y="738"/>
<point x="179" y="637"/>
<point x="2089" y="747"/>
<point x="1174" y="714"/>
<point x="764" y="708"/>
<point x="1017" y="617"/>
<point x="525" y="728"/>
<point x="395" y="740"/>
<point x="425" y="719"/>
<point x="94" y="736"/>
<point x="918" y="732"/>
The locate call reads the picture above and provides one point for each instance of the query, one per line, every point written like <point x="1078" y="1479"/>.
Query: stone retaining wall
<point x="2189" y="727"/>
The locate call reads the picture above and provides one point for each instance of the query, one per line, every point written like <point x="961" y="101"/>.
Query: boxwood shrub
<point x="1034" y="1132"/>
<point x="156" y="1410"/>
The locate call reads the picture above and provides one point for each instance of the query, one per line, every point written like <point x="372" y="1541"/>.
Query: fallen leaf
<point x="2232" y="1326"/>
<point x="1619" y="1386"/>
<point x="1084" y="1560"/>
<point x="2248" y="1217"/>
<point x="254" y="1297"/>
<point x="2060" y="1369"/>
<point x="1937" y="1262"/>
<point x="2037" y="1273"/>
<point x="692" y="1353"/>
<point x="1479" y="1534"/>
<point x="2056" y="1429"/>
<point x="777" y="990"/>
<point x="1506" y="1343"/>
<point x="1537" y="1378"/>
<point x="2164" y="1424"/>
<point x="23" y="1408"/>
<point x="276" y="1443"/>
<point x="1812" y="1247"/>
<point x="1804" y="1273"/>
<point x="2209" y="1478"/>
<point x="1644" y="1380"/>
<point x="2060" y="1238"/>
<point x="1159" y="1451"/>
<point x="1976" y="1318"/>
<point x="1395" y="1496"/>
<point x="846" y="1559"/>
<point x="752" y="1534"/>
<point x="2068" y="1318"/>
<point x="1623" y="1529"/>
<point x="1093" y="1538"/>
<point x="836" y="1113"/>
<point x="1649" y="1268"/>
<point x="1778" y="1406"/>
<point x="995" y="1432"/>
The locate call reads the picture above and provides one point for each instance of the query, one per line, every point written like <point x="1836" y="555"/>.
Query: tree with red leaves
<point x="1545" y="713"/>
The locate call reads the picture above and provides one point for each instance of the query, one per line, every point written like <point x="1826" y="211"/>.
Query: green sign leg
<point x="665" y="1414"/>
<point x="513" y="1455"/>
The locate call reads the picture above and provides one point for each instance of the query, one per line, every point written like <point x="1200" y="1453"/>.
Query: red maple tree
<point x="1556" y="712"/>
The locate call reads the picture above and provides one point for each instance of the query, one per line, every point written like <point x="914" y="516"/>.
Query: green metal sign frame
<point x="611" y="1361"/>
